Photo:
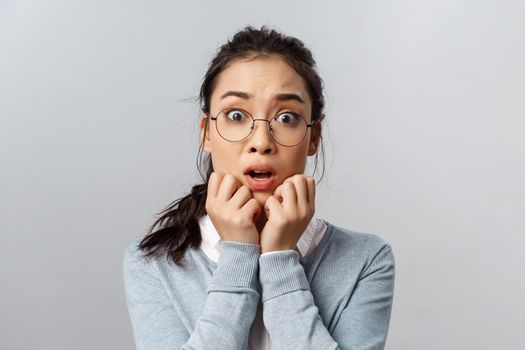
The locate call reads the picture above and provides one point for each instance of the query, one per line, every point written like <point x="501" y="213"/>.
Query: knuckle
<point x="288" y="185"/>
<point x="209" y="206"/>
<point x="244" y="189"/>
<point x="230" y="178"/>
<point x="301" y="178"/>
<point x="218" y="176"/>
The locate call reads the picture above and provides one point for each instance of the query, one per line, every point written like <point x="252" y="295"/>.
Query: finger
<point x="214" y="183"/>
<point x="272" y="206"/>
<point x="310" y="184"/>
<point x="228" y="187"/>
<point x="301" y="190"/>
<point x="289" y="195"/>
<point x="241" y="196"/>
<point x="278" y="193"/>
<point x="252" y="209"/>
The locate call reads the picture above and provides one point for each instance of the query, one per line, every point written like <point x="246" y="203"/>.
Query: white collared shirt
<point x="259" y="338"/>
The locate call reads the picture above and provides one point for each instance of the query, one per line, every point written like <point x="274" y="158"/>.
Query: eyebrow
<point x="281" y="97"/>
<point x="240" y="94"/>
<point x="288" y="97"/>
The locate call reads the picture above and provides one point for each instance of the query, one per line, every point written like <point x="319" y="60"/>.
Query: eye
<point x="288" y="119"/>
<point x="236" y="116"/>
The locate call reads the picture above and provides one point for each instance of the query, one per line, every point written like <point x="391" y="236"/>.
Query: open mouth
<point x="260" y="175"/>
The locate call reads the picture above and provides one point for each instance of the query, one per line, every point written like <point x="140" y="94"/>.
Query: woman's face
<point x="264" y="87"/>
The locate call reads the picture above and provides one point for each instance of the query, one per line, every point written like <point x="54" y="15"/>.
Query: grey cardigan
<point x="338" y="297"/>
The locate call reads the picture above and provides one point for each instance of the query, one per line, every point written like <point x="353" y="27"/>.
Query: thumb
<point x="272" y="203"/>
<point x="267" y="205"/>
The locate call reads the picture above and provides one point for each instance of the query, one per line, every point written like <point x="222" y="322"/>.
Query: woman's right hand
<point x="232" y="209"/>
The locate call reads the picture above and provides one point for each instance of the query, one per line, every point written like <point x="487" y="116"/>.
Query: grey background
<point x="425" y="124"/>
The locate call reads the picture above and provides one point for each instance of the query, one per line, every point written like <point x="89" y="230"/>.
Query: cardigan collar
<point x="211" y="239"/>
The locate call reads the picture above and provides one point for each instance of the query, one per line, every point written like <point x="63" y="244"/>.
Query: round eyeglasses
<point x="287" y="128"/>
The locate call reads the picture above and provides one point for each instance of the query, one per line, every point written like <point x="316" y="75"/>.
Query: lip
<point x="260" y="184"/>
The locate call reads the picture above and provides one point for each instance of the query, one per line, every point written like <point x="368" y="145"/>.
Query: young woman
<point x="240" y="262"/>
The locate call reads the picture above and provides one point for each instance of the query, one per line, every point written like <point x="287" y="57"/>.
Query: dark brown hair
<point x="177" y="228"/>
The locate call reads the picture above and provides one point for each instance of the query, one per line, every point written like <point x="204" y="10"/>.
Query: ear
<point x="204" y="135"/>
<point x="315" y="137"/>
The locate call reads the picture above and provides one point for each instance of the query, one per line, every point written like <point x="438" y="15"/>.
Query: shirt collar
<point x="211" y="238"/>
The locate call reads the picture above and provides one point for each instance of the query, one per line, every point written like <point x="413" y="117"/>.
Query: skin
<point x="274" y="218"/>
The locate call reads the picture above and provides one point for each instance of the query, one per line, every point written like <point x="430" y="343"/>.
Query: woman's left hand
<point x="289" y="211"/>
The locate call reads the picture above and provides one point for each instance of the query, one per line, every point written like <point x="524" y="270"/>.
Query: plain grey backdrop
<point x="424" y="137"/>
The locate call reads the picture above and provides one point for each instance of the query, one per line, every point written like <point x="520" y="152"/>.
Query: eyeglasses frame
<point x="253" y="125"/>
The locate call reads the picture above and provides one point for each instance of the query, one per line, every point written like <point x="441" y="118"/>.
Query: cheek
<point x="297" y="160"/>
<point x="224" y="156"/>
<point x="221" y="162"/>
<point x="261" y="197"/>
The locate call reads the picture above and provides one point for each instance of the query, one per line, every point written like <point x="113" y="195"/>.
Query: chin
<point x="261" y="197"/>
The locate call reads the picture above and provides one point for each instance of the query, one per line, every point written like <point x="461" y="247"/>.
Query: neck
<point x="261" y="221"/>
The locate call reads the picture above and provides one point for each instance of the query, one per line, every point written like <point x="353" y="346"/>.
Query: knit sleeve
<point x="293" y="320"/>
<point x="228" y="312"/>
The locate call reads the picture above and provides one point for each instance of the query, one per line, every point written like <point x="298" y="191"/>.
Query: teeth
<point x="260" y="175"/>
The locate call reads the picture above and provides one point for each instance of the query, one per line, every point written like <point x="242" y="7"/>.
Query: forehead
<point x="262" y="77"/>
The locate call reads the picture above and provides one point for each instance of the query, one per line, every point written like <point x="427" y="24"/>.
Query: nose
<point x="260" y="140"/>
